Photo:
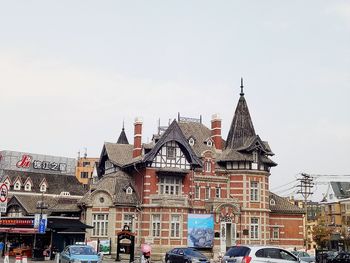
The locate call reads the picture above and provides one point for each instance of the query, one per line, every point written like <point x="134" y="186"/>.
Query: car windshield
<point x="238" y="251"/>
<point x="193" y="253"/>
<point x="83" y="250"/>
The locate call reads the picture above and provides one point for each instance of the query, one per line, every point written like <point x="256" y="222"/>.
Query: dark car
<point x="342" y="257"/>
<point x="185" y="255"/>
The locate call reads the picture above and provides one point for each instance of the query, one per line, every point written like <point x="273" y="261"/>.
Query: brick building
<point x="190" y="187"/>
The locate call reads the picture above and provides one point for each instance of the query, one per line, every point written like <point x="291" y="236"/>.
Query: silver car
<point x="258" y="254"/>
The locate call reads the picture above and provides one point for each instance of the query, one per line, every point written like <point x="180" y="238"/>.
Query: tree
<point x="321" y="234"/>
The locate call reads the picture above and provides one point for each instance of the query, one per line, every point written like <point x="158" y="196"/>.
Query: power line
<point x="277" y="187"/>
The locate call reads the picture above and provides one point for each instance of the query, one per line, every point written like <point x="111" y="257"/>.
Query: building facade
<point x="190" y="187"/>
<point x="85" y="169"/>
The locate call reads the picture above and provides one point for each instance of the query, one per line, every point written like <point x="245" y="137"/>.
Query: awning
<point x="4" y="229"/>
<point x="19" y="230"/>
<point x="60" y="224"/>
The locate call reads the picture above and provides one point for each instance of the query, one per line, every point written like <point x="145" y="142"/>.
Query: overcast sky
<point x="72" y="71"/>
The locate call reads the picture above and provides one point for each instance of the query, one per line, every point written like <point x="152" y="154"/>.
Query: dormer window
<point x="272" y="202"/>
<point x="191" y="141"/>
<point x="209" y="143"/>
<point x="129" y="190"/>
<point x="28" y="187"/>
<point x="17" y="186"/>
<point x="255" y="156"/>
<point x="7" y="182"/>
<point x="43" y="188"/>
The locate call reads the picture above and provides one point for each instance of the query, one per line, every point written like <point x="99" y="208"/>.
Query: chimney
<point x="216" y="131"/>
<point x="137" y="137"/>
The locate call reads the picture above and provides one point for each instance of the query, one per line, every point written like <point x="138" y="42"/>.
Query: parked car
<point x="79" y="254"/>
<point x="342" y="257"/>
<point x="304" y="256"/>
<point x="185" y="255"/>
<point x="258" y="254"/>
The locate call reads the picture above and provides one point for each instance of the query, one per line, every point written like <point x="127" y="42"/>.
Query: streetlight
<point x="39" y="205"/>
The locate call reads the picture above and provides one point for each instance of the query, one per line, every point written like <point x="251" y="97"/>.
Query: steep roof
<point x="56" y="183"/>
<point x="241" y="128"/>
<point x="54" y="203"/>
<point x="341" y="189"/>
<point x="174" y="133"/>
<point x="122" y="138"/>
<point x="119" y="154"/>
<point x="115" y="185"/>
<point x="282" y="205"/>
<point x="200" y="133"/>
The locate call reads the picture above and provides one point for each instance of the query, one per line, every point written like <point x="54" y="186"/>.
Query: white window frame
<point x="275" y="233"/>
<point x="129" y="190"/>
<point x="43" y="187"/>
<point x="254" y="191"/>
<point x="100" y="224"/>
<point x="254" y="228"/>
<point x="191" y="141"/>
<point x="156" y="225"/>
<point x="17" y="186"/>
<point x="217" y="192"/>
<point x="128" y="219"/>
<point x="207" y="193"/>
<point x="197" y="192"/>
<point x="207" y="165"/>
<point x="171" y="152"/>
<point x="175" y="228"/>
<point x="170" y="185"/>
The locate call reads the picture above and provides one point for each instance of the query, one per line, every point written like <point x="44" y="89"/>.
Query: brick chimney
<point x="137" y="138"/>
<point x="216" y="131"/>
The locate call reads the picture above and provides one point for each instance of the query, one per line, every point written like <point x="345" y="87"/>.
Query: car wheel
<point x="168" y="261"/>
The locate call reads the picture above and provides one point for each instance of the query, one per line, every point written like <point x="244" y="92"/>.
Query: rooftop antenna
<point x="85" y="153"/>
<point x="242" y="93"/>
<point x="79" y="154"/>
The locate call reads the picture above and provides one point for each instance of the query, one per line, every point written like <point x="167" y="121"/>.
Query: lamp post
<point x="39" y="205"/>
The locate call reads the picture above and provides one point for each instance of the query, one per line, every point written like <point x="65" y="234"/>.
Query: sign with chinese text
<point x="27" y="160"/>
<point x="17" y="222"/>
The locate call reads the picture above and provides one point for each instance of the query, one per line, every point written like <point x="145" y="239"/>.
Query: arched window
<point x="17" y="186"/>
<point x="28" y="187"/>
<point x="43" y="188"/>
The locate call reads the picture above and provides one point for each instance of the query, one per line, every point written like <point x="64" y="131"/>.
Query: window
<point x="100" y="224"/>
<point x="175" y="226"/>
<point x="218" y="192"/>
<point x="254" y="191"/>
<point x="84" y="174"/>
<point x="17" y="186"/>
<point x="207" y="165"/>
<point x="197" y="190"/>
<point x="275" y="233"/>
<point x="43" y="188"/>
<point x="156" y="225"/>
<point x="207" y="192"/>
<point x="209" y="143"/>
<point x="15" y="211"/>
<point x="255" y="156"/>
<point x="86" y="164"/>
<point x="191" y="141"/>
<point x="28" y="187"/>
<point x="129" y="221"/>
<point x="129" y="190"/>
<point x="169" y="186"/>
<point x="170" y="153"/>
<point x="272" y="202"/>
<point x="254" y="228"/>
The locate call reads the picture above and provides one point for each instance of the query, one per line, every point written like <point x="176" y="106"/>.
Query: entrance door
<point x="228" y="236"/>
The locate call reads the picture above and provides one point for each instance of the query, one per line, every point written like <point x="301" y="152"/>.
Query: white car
<point x="258" y="254"/>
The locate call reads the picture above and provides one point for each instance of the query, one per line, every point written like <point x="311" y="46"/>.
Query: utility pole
<point x="306" y="185"/>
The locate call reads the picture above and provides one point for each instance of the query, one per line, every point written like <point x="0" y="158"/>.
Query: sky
<point x="72" y="71"/>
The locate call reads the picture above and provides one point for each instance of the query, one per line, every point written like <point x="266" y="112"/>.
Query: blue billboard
<point x="200" y="230"/>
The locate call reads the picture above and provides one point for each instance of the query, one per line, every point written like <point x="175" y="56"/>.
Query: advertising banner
<point x="200" y="230"/>
<point x="105" y="246"/>
<point x="92" y="243"/>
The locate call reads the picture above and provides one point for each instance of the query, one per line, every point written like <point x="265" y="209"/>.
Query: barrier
<point x="6" y="258"/>
<point x="18" y="259"/>
<point x="24" y="259"/>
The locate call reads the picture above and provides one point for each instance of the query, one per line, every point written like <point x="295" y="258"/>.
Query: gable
<point x="171" y="155"/>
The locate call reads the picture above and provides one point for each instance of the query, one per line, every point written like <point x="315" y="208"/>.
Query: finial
<point x="242" y="93"/>
<point x="123" y="125"/>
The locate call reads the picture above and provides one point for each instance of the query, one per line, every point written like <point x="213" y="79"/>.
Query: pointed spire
<point x="122" y="137"/>
<point x="242" y="127"/>
<point x="242" y="93"/>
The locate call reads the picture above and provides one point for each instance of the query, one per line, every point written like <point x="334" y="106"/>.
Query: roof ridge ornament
<point x="242" y="93"/>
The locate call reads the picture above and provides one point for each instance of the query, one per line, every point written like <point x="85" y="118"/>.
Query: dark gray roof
<point x="282" y="205"/>
<point x="122" y="138"/>
<point x="200" y="133"/>
<point x="56" y="183"/>
<point x="115" y="185"/>
<point x="241" y="128"/>
<point x="341" y="189"/>
<point x="174" y="133"/>
<point x="55" y="203"/>
<point x="119" y="154"/>
<point x="233" y="155"/>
